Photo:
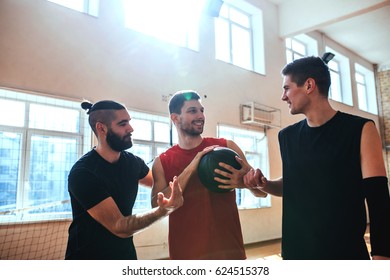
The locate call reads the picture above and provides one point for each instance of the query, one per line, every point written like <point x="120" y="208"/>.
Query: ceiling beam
<point x="302" y="16"/>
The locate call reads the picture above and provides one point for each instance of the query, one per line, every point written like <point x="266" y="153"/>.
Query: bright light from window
<point x="365" y="84"/>
<point x="84" y="6"/>
<point x="77" y="5"/>
<point x="174" y="21"/>
<point x="11" y="113"/>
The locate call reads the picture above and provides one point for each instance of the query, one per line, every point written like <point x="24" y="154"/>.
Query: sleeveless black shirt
<point x="324" y="215"/>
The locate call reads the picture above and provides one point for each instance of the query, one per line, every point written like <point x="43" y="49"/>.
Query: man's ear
<point x="310" y="85"/>
<point x="174" y="118"/>
<point x="101" y="128"/>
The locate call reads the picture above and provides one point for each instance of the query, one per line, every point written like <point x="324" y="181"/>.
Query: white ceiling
<point x="364" y="30"/>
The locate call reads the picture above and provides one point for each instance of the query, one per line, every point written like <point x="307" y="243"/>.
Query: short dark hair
<point x="309" y="67"/>
<point x="102" y="111"/>
<point x="178" y="99"/>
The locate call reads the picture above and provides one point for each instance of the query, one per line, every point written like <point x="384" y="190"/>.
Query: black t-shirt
<point x="324" y="214"/>
<point x="91" y="180"/>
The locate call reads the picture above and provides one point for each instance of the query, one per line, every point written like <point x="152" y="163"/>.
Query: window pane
<point x="12" y="113"/>
<point x="241" y="48"/>
<point x="10" y="154"/>
<point x="297" y="56"/>
<point x="50" y="162"/>
<point x="54" y="118"/>
<point x="254" y="145"/>
<point x="77" y="5"/>
<point x="298" y="47"/>
<point x="333" y="65"/>
<point x="142" y="151"/>
<point x="335" y="88"/>
<point x="142" y="201"/>
<point x="246" y="143"/>
<point x="359" y="78"/>
<point x="161" y="132"/>
<point x="161" y="150"/>
<point x="239" y="18"/>
<point x="362" y="97"/>
<point x="222" y="43"/>
<point x="142" y="129"/>
<point x="224" y="12"/>
<point x="174" y="21"/>
<point x="288" y="43"/>
<point x="289" y="56"/>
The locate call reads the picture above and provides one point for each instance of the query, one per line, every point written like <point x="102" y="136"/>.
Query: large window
<point x="239" y="36"/>
<point x="254" y="145"/>
<point x="90" y="7"/>
<point x="173" y="21"/>
<point x="340" y="73"/>
<point x="365" y="86"/>
<point x="294" y="49"/>
<point x="335" y="89"/>
<point x="300" y="46"/>
<point x="40" y="140"/>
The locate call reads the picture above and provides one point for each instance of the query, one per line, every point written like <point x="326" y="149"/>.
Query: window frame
<point x="310" y="45"/>
<point x="345" y="77"/>
<point x="154" y="147"/>
<point x="20" y="213"/>
<point x="90" y="7"/>
<point x="339" y="81"/>
<point x="370" y="89"/>
<point x="189" y="35"/>
<point x="256" y="150"/>
<point x="255" y="31"/>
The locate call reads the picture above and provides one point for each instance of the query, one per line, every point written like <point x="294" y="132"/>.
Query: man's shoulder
<point x="86" y="159"/>
<point x="214" y="141"/>
<point x="353" y="118"/>
<point x="292" y="127"/>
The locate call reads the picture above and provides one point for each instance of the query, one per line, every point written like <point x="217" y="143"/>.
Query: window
<point x="239" y="36"/>
<point x="365" y="87"/>
<point x="300" y="46"/>
<point x="173" y="21"/>
<point x="40" y="140"/>
<point x="340" y="89"/>
<point x="294" y="49"/>
<point x="90" y="7"/>
<point x="254" y="146"/>
<point x="335" y="89"/>
<point x="151" y="137"/>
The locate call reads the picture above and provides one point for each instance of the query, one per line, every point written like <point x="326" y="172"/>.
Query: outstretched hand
<point x="255" y="179"/>
<point x="174" y="201"/>
<point x="256" y="182"/>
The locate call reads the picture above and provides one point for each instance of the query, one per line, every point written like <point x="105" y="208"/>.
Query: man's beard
<point x="118" y="144"/>
<point x="189" y="130"/>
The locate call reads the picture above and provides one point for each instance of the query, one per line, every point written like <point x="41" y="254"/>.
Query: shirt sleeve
<point x="86" y="188"/>
<point x="144" y="169"/>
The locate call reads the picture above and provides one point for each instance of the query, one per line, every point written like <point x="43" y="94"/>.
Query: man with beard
<point x="207" y="226"/>
<point x="103" y="186"/>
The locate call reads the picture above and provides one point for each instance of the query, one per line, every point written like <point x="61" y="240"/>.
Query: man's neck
<point x="320" y="115"/>
<point x="188" y="142"/>
<point x="108" y="154"/>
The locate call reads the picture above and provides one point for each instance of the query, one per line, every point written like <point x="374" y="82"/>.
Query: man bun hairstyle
<point x="102" y="111"/>
<point x="101" y="105"/>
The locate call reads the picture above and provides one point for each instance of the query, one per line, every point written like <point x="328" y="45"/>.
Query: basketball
<point x="210" y="161"/>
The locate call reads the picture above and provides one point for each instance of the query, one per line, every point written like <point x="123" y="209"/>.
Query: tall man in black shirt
<point x="332" y="163"/>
